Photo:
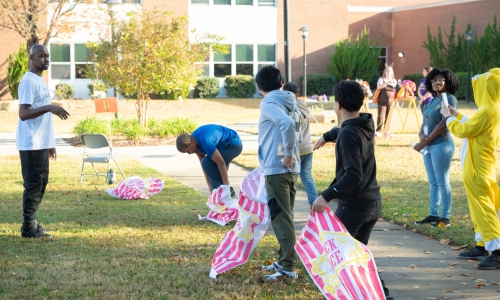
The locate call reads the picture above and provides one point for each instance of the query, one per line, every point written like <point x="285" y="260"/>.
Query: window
<point x="244" y="53"/>
<point x="222" y="2"/>
<point x="266" y="2"/>
<point x="382" y="60"/>
<point x="222" y="64"/>
<point x="266" y="53"/>
<point x="60" y="56"/>
<point x="199" y="2"/>
<point x="244" y="2"/>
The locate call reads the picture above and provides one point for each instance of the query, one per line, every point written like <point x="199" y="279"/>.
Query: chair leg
<point x="118" y="165"/>
<point x="97" y="173"/>
<point x="81" y="174"/>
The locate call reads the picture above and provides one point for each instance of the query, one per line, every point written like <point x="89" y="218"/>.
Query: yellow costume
<point x="479" y="174"/>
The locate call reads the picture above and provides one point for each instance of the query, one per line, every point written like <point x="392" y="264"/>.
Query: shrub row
<point x="132" y="130"/>
<point x="319" y="84"/>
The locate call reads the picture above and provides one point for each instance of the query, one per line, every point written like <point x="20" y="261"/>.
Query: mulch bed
<point x="123" y="142"/>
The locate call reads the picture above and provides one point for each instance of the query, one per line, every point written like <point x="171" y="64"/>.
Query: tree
<point x="18" y="65"/>
<point x="149" y="52"/>
<point x="486" y="53"/>
<point x="28" y="18"/>
<point x="453" y="55"/>
<point x="355" y="58"/>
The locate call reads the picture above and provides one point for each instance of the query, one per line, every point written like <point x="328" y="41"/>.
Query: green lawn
<point x="104" y="248"/>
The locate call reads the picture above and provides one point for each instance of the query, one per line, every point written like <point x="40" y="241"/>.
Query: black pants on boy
<point x="35" y="170"/>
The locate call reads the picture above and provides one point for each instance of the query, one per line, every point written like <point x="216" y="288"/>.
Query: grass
<point x="106" y="248"/>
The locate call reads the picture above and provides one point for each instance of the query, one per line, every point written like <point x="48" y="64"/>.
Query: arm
<point x="329" y="136"/>
<point x="217" y="158"/>
<point x="27" y="113"/>
<point x="472" y="127"/>
<point x="201" y="157"/>
<point x="381" y="83"/>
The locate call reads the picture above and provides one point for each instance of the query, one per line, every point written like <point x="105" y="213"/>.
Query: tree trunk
<point x="32" y="18"/>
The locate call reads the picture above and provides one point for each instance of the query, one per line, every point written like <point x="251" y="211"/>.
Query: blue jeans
<point x="306" y="162"/>
<point x="437" y="164"/>
<point x="228" y="153"/>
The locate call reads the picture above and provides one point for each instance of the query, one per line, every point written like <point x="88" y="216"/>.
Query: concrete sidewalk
<point x="400" y="254"/>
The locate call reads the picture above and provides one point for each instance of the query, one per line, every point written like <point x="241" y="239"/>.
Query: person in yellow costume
<point x="481" y="133"/>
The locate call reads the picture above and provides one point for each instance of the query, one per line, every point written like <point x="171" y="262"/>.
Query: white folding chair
<point x="97" y="141"/>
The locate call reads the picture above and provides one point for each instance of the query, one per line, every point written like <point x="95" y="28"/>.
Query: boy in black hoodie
<point x="355" y="183"/>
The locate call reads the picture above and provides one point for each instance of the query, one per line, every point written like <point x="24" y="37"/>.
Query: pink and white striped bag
<point x="340" y="266"/>
<point x="136" y="187"/>
<point x="250" y="227"/>
<point x="223" y="208"/>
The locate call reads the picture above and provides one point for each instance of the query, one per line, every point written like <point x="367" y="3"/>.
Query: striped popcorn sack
<point x="340" y="266"/>
<point x="135" y="187"/>
<point x="223" y="208"/>
<point x="252" y="223"/>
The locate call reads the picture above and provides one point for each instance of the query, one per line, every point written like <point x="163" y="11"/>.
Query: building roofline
<point x="381" y="9"/>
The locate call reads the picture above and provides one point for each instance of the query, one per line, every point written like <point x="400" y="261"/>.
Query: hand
<point x="418" y="147"/>
<point x="424" y="141"/>
<point x="453" y="111"/>
<point x="319" y="204"/>
<point x="319" y="143"/>
<point x="288" y="161"/>
<point x="52" y="153"/>
<point x="59" y="111"/>
<point x="445" y="111"/>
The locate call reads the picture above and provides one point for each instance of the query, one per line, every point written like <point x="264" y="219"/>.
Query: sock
<point x="480" y="248"/>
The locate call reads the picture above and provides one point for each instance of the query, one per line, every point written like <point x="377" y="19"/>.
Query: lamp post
<point x="470" y="37"/>
<point x="305" y="33"/>
<point x="111" y="6"/>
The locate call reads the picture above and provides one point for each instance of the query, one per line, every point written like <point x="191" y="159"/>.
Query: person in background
<point x="216" y="146"/>
<point x="387" y="84"/>
<point x="440" y="146"/>
<point x="424" y="97"/>
<point x="306" y="147"/>
<point x="35" y="138"/>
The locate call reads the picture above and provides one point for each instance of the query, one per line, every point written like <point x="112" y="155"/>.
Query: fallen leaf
<point x="464" y="274"/>
<point x="406" y="237"/>
<point x="479" y="280"/>
<point x="448" y="275"/>
<point x="399" y="244"/>
<point x="444" y="241"/>
<point x="465" y="296"/>
<point x="427" y="252"/>
<point x="463" y="283"/>
<point x="459" y="247"/>
<point x="495" y="283"/>
<point x="414" y="230"/>
<point x="246" y="281"/>
<point x="431" y="298"/>
<point x="448" y="290"/>
<point x="453" y="264"/>
<point x="442" y="252"/>
<point x="399" y="276"/>
<point x="472" y="261"/>
<point x="415" y="287"/>
<point x="412" y="266"/>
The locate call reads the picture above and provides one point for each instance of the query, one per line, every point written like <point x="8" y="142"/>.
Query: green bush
<point x="206" y="87"/>
<point x="171" y="127"/>
<point x="319" y="84"/>
<point x="462" y="91"/>
<point x="18" y="66"/>
<point x="64" y="91"/>
<point x="240" y="86"/>
<point x="91" y="125"/>
<point x="373" y="81"/>
<point x="173" y="95"/>
<point x="99" y="86"/>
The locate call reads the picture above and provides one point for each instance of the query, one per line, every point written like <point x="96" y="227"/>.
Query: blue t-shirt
<point x="210" y="136"/>
<point x="432" y="117"/>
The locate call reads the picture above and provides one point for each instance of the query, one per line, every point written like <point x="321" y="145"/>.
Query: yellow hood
<point x="486" y="88"/>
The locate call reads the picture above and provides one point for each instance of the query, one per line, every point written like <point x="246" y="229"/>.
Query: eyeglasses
<point x="437" y="80"/>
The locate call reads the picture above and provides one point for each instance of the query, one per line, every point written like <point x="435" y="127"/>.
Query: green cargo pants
<point x="280" y="190"/>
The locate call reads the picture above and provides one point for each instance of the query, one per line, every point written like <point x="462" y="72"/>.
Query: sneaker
<point x="274" y="267"/>
<point x="281" y="275"/>
<point x="35" y="232"/>
<point x="474" y="254"/>
<point x="491" y="263"/>
<point x="378" y="134"/>
<point x="428" y="219"/>
<point x="441" y="223"/>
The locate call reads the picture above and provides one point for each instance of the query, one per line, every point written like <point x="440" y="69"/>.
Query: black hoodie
<point x="356" y="171"/>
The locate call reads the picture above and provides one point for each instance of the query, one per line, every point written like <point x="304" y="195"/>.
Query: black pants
<point x="35" y="170"/>
<point x="360" y="219"/>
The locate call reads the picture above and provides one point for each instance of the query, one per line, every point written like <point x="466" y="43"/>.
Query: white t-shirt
<point x="38" y="133"/>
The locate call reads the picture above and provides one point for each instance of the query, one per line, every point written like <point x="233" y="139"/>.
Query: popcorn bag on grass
<point x="252" y="223"/>
<point x="223" y="208"/>
<point x="340" y="266"/>
<point x="136" y="187"/>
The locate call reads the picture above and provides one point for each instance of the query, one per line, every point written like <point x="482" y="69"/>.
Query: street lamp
<point x="305" y="33"/>
<point x="470" y="37"/>
<point x="111" y="5"/>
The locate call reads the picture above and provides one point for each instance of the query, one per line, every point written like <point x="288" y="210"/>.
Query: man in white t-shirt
<point x="35" y="138"/>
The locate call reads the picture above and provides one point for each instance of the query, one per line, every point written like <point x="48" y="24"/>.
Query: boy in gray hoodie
<point x="279" y="139"/>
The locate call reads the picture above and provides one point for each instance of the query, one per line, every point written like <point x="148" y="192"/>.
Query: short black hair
<point x="450" y="81"/>
<point x="268" y="78"/>
<point x="182" y="142"/>
<point x="292" y="87"/>
<point x="349" y="94"/>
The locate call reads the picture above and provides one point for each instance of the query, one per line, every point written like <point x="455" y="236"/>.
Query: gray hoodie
<point x="279" y="134"/>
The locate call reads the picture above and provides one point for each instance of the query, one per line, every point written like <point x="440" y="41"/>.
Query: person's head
<point x="186" y="144"/>
<point x="426" y="71"/>
<point x="441" y="81"/>
<point x="39" y="57"/>
<point x="388" y="72"/>
<point x="268" y="79"/>
<point x="292" y="87"/>
<point x="349" y="95"/>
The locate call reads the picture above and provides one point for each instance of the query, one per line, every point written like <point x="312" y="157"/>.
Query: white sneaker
<point x="280" y="275"/>
<point x="274" y="267"/>
<point x="378" y="134"/>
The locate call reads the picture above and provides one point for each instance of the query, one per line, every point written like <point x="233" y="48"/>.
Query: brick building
<point x="255" y="33"/>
